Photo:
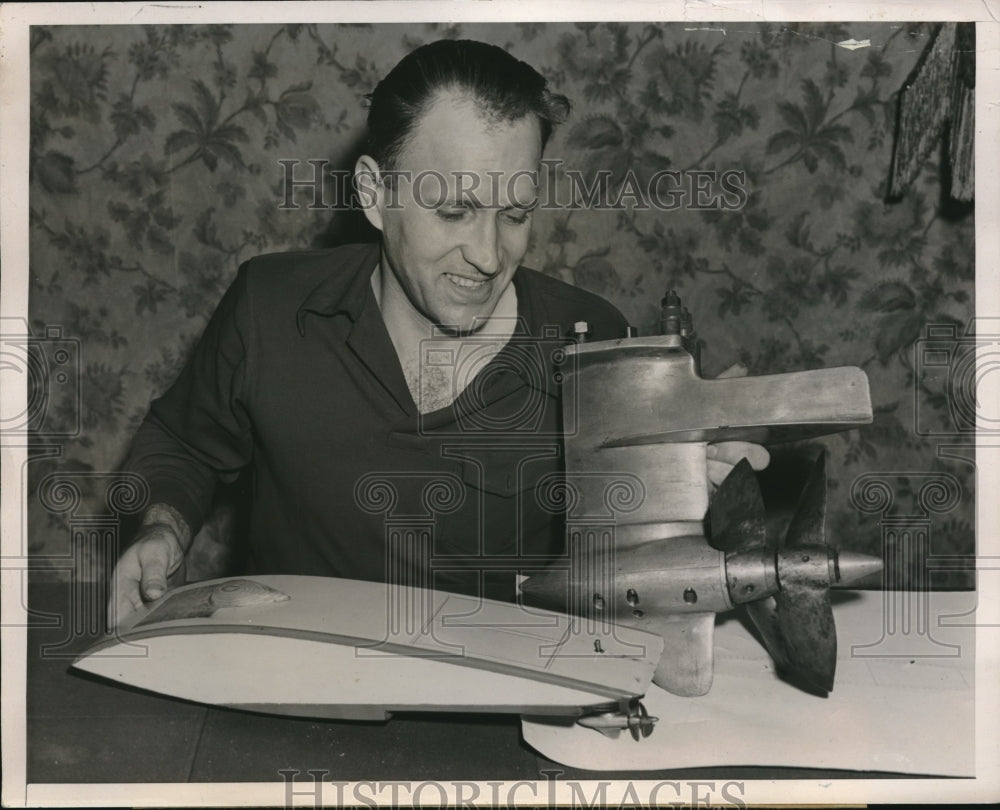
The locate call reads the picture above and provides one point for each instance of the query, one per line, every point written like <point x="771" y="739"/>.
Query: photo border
<point x="15" y="20"/>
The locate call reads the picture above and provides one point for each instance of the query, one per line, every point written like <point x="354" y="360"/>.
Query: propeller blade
<point x="805" y="621"/>
<point x="764" y="614"/>
<point x="797" y="627"/>
<point x="736" y="512"/>
<point x="796" y="622"/>
<point x="806" y="526"/>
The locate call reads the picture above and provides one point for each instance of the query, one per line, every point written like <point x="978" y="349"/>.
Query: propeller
<point x="639" y="721"/>
<point x="786" y="585"/>
<point x="634" y="717"/>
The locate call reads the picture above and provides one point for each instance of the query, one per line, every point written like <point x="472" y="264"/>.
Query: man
<point x="396" y="402"/>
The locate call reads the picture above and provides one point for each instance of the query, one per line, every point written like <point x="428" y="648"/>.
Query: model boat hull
<point x="333" y="648"/>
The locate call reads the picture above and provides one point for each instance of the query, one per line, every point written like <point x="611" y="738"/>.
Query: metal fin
<point x="610" y="724"/>
<point x="685" y="666"/>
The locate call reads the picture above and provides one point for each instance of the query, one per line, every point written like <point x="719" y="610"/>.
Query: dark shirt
<point x="297" y="378"/>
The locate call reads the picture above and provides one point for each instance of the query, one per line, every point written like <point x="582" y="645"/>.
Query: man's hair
<point x="503" y="88"/>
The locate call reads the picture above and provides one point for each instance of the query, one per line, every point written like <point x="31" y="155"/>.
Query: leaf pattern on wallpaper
<point x="154" y="171"/>
<point x="809" y="134"/>
<point x="204" y="137"/>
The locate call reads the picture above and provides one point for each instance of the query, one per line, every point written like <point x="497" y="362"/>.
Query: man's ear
<point x="367" y="182"/>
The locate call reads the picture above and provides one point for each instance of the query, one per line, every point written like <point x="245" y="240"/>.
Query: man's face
<point x="455" y="229"/>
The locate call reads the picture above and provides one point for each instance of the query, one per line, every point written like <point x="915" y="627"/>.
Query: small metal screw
<point x="690" y="596"/>
<point x="632" y="597"/>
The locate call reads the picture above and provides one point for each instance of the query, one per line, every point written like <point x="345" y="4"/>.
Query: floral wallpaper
<point x="155" y="171"/>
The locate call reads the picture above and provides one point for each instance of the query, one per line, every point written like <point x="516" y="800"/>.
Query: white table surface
<point x="903" y="700"/>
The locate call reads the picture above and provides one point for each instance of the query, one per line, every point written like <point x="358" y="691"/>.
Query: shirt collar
<point x="348" y="292"/>
<point x="343" y="292"/>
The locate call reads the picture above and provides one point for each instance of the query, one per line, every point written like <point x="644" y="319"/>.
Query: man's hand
<point x="723" y="456"/>
<point x="155" y="559"/>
